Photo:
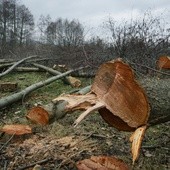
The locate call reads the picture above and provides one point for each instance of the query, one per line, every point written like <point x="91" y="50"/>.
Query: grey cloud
<point x="93" y="11"/>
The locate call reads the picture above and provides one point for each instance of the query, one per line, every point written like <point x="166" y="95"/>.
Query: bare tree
<point x="140" y="41"/>
<point x="65" y="33"/>
<point x="25" y="24"/>
<point x="16" y="25"/>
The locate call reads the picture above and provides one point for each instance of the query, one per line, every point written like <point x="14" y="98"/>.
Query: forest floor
<point x="59" y="145"/>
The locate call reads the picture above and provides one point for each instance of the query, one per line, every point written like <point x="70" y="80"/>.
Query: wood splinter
<point x="97" y="106"/>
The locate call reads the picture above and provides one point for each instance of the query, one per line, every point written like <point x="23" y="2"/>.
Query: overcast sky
<point x="93" y="13"/>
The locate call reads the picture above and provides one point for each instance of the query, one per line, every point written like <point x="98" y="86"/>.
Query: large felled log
<point x="157" y="92"/>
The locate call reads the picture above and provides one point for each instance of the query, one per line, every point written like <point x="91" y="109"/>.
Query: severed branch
<point x="74" y="82"/>
<point x="15" y="65"/>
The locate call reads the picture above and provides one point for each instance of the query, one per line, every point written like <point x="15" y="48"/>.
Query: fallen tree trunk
<point x="20" y="95"/>
<point x="158" y="93"/>
<point x="74" y="82"/>
<point x="15" y="65"/>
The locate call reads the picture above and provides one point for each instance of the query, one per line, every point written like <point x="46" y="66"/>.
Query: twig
<point x="6" y="143"/>
<point x="35" y="163"/>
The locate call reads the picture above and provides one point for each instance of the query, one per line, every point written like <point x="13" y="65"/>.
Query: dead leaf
<point x="136" y="139"/>
<point x="16" y="129"/>
<point x="101" y="163"/>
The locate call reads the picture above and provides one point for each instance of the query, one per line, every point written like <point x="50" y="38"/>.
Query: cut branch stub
<point x="116" y="87"/>
<point x="38" y="115"/>
<point x="163" y="62"/>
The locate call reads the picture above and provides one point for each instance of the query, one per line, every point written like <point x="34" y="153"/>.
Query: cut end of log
<point x="74" y="82"/>
<point x="102" y="162"/>
<point x="38" y="115"/>
<point x="116" y="87"/>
